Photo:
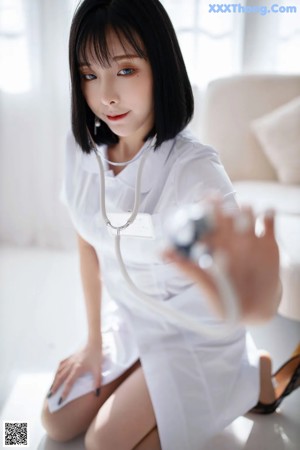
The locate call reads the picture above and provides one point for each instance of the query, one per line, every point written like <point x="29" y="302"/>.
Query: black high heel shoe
<point x="287" y="380"/>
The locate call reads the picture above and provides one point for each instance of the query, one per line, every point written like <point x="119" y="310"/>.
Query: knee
<point x="90" y="442"/>
<point x="54" y="427"/>
<point x="98" y="441"/>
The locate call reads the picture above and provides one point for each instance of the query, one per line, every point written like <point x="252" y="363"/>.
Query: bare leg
<point x="75" y="417"/>
<point x="150" y="442"/>
<point x="125" y="419"/>
<point x="267" y="393"/>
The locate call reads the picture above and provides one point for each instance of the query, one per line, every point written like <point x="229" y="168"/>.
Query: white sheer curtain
<point x="34" y="118"/>
<point x="34" y="93"/>
<point x="210" y="42"/>
<point x="252" y="36"/>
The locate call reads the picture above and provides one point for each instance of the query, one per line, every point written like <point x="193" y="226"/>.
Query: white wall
<point x="34" y="97"/>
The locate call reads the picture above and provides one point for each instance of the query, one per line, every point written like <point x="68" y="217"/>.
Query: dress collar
<point x="153" y="166"/>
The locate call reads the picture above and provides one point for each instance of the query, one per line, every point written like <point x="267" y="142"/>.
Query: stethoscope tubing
<point x="146" y="301"/>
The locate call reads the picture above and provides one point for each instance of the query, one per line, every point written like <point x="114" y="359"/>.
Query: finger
<point x="212" y="203"/>
<point x="190" y="269"/>
<point x="223" y="217"/>
<point x="200" y="276"/>
<point x="97" y="382"/>
<point x="182" y="262"/>
<point x="58" y="380"/>
<point x="170" y="255"/>
<point x="269" y="223"/>
<point x="63" y="361"/>
<point x="223" y="230"/>
<point x="244" y="222"/>
<point x="61" y="366"/>
<point x="70" y="380"/>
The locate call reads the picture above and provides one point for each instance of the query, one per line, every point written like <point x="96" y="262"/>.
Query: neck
<point x="125" y="149"/>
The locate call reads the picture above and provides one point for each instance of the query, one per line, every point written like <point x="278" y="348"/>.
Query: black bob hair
<point x="133" y="21"/>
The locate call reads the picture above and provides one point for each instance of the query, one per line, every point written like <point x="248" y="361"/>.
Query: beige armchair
<point x="254" y="122"/>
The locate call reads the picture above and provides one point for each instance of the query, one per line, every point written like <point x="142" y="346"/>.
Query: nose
<point x="109" y="94"/>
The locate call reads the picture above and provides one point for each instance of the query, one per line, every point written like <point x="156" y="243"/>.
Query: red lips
<point x="118" y="117"/>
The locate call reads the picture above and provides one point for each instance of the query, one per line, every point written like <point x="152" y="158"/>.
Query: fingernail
<point x="60" y="401"/>
<point x="49" y="394"/>
<point x="98" y="390"/>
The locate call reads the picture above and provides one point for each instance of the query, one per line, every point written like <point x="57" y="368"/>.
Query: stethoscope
<point x="164" y="309"/>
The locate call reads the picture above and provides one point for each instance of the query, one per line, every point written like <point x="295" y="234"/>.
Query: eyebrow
<point x="115" y="58"/>
<point x="120" y="57"/>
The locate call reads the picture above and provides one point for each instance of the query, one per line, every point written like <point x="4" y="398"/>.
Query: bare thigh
<point x="75" y="417"/>
<point x="125" y="418"/>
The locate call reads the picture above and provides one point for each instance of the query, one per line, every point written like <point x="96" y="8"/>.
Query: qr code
<point x="15" y="434"/>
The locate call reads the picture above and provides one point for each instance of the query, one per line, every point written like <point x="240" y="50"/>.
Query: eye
<point x="126" y="71"/>
<point x="87" y="76"/>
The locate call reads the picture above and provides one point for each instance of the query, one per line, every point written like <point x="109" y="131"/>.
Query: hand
<point x="88" y="359"/>
<point x="251" y="262"/>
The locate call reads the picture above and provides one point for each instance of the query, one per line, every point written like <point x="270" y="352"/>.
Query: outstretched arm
<point x="251" y="263"/>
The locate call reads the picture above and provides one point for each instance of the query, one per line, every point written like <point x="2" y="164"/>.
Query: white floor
<point x="42" y="321"/>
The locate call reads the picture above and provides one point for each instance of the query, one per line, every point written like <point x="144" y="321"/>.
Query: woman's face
<point x="121" y="95"/>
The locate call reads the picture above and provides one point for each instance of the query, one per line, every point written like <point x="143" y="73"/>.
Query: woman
<point x="141" y="381"/>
